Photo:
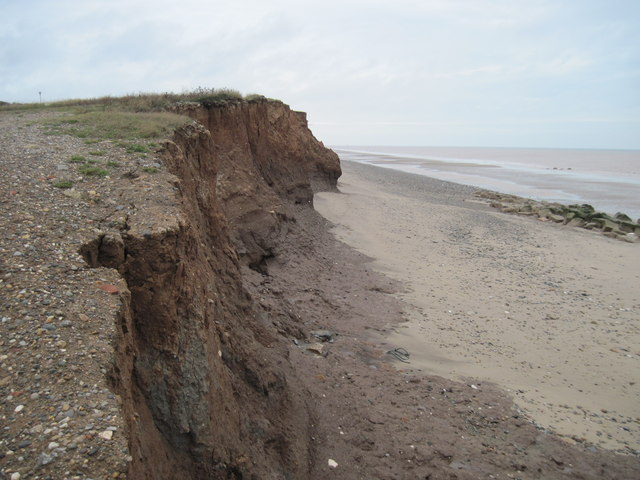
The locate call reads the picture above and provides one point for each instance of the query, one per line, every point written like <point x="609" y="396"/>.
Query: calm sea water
<point x="607" y="179"/>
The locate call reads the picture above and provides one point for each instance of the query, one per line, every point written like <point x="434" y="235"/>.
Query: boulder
<point x="628" y="227"/>
<point x="576" y="222"/>
<point x="622" y="217"/>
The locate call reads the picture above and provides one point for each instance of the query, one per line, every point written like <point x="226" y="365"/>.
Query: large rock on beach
<point x="619" y="226"/>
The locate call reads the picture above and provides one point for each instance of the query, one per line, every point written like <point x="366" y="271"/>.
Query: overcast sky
<point x="528" y="73"/>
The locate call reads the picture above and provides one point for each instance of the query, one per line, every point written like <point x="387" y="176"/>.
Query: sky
<point x="512" y="73"/>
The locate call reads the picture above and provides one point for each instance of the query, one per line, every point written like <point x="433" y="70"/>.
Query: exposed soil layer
<point x="208" y="278"/>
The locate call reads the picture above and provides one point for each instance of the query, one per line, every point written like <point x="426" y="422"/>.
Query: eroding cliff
<point x="207" y="387"/>
<point x="268" y="160"/>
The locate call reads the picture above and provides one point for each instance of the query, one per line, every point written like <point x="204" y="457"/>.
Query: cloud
<point x="430" y="64"/>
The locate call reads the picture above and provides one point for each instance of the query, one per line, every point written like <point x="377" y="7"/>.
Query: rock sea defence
<point x="206" y="387"/>
<point x="618" y="226"/>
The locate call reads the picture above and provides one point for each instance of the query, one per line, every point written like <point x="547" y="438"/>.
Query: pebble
<point x="45" y="286"/>
<point x="112" y="289"/>
<point x="332" y="463"/>
<point x="44" y="459"/>
<point x="92" y="451"/>
<point x="37" y="429"/>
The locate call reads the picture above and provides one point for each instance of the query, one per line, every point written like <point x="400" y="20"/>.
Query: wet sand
<point x="550" y="313"/>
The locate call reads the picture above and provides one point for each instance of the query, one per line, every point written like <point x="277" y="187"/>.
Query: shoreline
<point x="564" y="179"/>
<point x="544" y="311"/>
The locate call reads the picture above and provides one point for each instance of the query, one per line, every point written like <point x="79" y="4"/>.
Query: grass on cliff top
<point x="145" y="116"/>
<point x="142" y="102"/>
<point x="116" y="125"/>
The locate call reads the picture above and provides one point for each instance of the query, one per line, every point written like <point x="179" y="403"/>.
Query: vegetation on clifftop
<point x="135" y="122"/>
<point x="144" y="102"/>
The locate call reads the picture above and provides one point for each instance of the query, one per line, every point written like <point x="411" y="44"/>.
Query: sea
<point x="607" y="179"/>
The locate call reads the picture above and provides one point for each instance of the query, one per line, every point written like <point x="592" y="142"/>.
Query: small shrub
<point x="63" y="184"/>
<point x="150" y="169"/>
<point x="137" y="148"/>
<point x="77" y="159"/>
<point x="220" y="97"/>
<point x="112" y="163"/>
<point x="98" y="153"/>
<point x="255" y="97"/>
<point x="93" y="171"/>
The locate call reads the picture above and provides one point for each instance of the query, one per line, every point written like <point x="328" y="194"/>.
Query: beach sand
<point x="550" y="313"/>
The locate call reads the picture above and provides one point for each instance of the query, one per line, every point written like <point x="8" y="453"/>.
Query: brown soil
<point x="209" y="292"/>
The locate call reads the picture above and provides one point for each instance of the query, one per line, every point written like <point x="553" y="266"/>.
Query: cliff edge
<point x="206" y="387"/>
<point x="267" y="160"/>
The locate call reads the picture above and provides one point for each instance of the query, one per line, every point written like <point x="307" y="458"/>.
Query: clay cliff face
<point x="207" y="389"/>
<point x="268" y="160"/>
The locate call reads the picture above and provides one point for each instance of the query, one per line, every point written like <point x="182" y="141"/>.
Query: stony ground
<point x="59" y="419"/>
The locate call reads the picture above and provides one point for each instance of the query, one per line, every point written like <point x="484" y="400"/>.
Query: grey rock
<point x="44" y="459"/>
<point x="323" y="335"/>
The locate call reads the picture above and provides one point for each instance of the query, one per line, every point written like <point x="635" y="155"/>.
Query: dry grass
<point x="141" y="102"/>
<point x="116" y="125"/>
<point x="134" y="122"/>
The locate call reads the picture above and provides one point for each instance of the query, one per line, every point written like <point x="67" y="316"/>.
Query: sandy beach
<point x="547" y="312"/>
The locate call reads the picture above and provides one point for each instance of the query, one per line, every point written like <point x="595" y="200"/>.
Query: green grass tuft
<point x="77" y="159"/>
<point x="93" y="171"/>
<point x="150" y="169"/>
<point x="63" y="184"/>
<point x="137" y="148"/>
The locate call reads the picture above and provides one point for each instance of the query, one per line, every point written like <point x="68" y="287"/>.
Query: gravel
<point x="56" y="324"/>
